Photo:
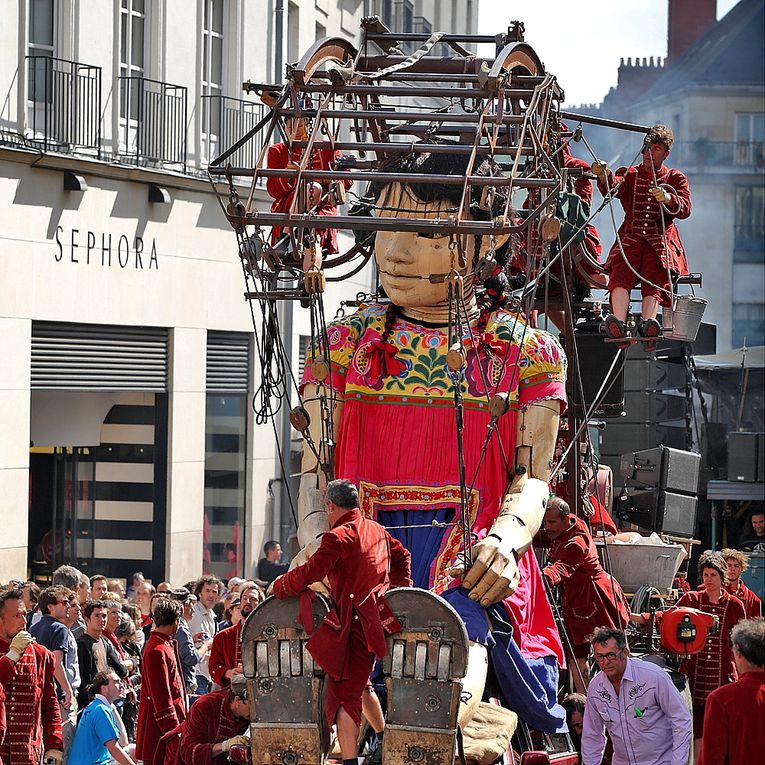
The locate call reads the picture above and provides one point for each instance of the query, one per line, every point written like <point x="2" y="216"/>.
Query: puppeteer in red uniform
<point x="361" y="562"/>
<point x="211" y="721"/>
<point x="163" y="695"/>
<point x="648" y="242"/>
<point x="226" y="653"/>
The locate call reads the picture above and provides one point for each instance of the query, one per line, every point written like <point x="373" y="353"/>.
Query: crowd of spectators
<point x="92" y="671"/>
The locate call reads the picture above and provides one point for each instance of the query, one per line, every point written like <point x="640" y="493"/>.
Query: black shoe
<point x="614" y="327"/>
<point x="376" y="757"/>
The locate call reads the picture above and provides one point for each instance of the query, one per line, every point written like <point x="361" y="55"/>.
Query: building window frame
<point x="133" y="60"/>
<point x="748" y="324"/>
<point x="749" y="134"/>
<point x="749" y="223"/>
<point x="213" y="74"/>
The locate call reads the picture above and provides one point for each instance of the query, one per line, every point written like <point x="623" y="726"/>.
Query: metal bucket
<point x="684" y="317"/>
<point x="639" y="564"/>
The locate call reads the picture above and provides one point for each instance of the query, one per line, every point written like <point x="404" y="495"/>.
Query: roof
<point x="753" y="358"/>
<point x="732" y="52"/>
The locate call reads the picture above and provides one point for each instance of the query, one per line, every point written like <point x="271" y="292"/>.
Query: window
<point x="749" y="226"/>
<point x="212" y="72"/>
<point x="132" y="63"/>
<point x="41" y="46"/>
<point x="750" y="137"/>
<point x="321" y="31"/>
<point x="748" y="324"/>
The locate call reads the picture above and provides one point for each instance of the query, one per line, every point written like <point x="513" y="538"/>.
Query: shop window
<point x="225" y="471"/>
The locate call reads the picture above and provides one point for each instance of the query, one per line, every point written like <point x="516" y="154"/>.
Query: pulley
<point x="455" y="357"/>
<point x="320" y="369"/>
<point x="549" y="228"/>
<point x="300" y="419"/>
<point x="314" y="281"/>
<point x="499" y="404"/>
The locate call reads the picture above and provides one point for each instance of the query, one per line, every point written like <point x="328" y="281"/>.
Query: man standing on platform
<point x="269" y="567"/>
<point x="163" y="694"/>
<point x="591" y="597"/>
<point x="648" y="249"/>
<point x="361" y="561"/>
<point x="26" y="675"/>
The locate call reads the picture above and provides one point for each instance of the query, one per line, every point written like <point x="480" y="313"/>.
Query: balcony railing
<point x="64" y="100"/>
<point x="224" y="121"/>
<point x="153" y="117"/>
<point x="706" y="153"/>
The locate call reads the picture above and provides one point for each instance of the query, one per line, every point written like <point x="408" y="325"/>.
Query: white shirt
<point x="203" y="620"/>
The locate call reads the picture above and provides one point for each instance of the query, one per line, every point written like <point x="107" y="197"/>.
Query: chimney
<point x="688" y="20"/>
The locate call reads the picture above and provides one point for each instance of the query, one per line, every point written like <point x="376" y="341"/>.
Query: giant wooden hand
<point x="494" y="574"/>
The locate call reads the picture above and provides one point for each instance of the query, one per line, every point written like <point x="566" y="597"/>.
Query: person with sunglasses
<point x="637" y="703"/>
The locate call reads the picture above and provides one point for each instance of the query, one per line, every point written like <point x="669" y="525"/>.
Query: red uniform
<point x="362" y="561"/>
<point x="210" y="722"/>
<point x="163" y="696"/>
<point x="713" y="666"/>
<point x="591" y="597"/>
<point x="752" y="604"/>
<point x="648" y="234"/>
<point x="32" y="712"/>
<point x="734" y="722"/>
<point x="225" y="653"/>
<point x="282" y="190"/>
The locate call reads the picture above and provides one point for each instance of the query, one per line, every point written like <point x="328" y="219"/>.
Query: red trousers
<point x="643" y="259"/>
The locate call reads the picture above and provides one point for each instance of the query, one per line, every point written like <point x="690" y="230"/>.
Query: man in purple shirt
<point x="639" y="706"/>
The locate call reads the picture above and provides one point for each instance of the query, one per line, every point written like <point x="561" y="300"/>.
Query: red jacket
<point x="225" y="653"/>
<point x="210" y="721"/>
<point x="645" y="218"/>
<point x="591" y="597"/>
<point x="31" y="707"/>
<point x="282" y="190"/>
<point x="362" y="562"/>
<point x="734" y="722"/>
<point x="752" y="603"/>
<point x="163" y="696"/>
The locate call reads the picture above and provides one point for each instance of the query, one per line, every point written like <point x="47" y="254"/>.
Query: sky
<point x="581" y="42"/>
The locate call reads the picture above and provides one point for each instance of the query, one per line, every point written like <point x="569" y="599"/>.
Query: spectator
<point x="67" y="576"/>
<point x="125" y="634"/>
<point x="98" y="586"/>
<point x="202" y="624"/>
<point x="638" y="705"/>
<point x="115" y="585"/>
<point x="165" y="587"/>
<point x="52" y="632"/>
<point x="98" y="740"/>
<point x="163" y="699"/>
<point x="713" y="666"/>
<point x="232" y="611"/>
<point x="574" y="704"/>
<point x="734" y="721"/>
<point x="591" y="596"/>
<point x="26" y="675"/>
<point x="134" y="581"/>
<point x="72" y="663"/>
<point x="188" y="653"/>
<point x="226" y="652"/>
<point x="234" y="584"/>
<point x="31" y="594"/>
<point x="738" y="562"/>
<point x="142" y="597"/>
<point x="215" y="723"/>
<point x="83" y="590"/>
<point x="269" y="567"/>
<point x="132" y="610"/>
<point x="753" y="536"/>
<point x="94" y="652"/>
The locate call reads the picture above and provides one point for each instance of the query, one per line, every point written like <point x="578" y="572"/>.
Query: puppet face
<point x="407" y="260"/>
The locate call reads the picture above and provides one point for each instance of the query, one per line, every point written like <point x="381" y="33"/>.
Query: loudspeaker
<point x="761" y="458"/>
<point x="640" y="406"/>
<point x="643" y="373"/>
<point x="663" y="468"/>
<point x="743" y="456"/>
<point x="661" y="511"/>
<point x="596" y="359"/>
<point x="622" y="437"/>
<point x="705" y="344"/>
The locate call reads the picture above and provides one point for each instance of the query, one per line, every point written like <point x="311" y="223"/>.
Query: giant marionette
<point x="444" y="387"/>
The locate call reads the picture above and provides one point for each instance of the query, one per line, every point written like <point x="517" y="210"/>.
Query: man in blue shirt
<point x="97" y="740"/>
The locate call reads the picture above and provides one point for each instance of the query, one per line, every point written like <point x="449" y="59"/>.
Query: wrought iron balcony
<point x="153" y="118"/>
<point x="747" y="156"/>
<point x="64" y="104"/>
<point x="224" y="121"/>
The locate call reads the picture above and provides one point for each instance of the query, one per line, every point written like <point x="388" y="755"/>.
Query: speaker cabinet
<point x="744" y="456"/>
<point x="640" y="406"/>
<point x="596" y="359"/>
<point x="673" y="470"/>
<point x="661" y="511"/>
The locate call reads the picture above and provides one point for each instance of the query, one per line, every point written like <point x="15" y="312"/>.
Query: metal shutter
<point x="228" y="362"/>
<point x="98" y="357"/>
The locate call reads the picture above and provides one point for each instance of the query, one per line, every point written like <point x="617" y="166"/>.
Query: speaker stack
<point x="662" y="485"/>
